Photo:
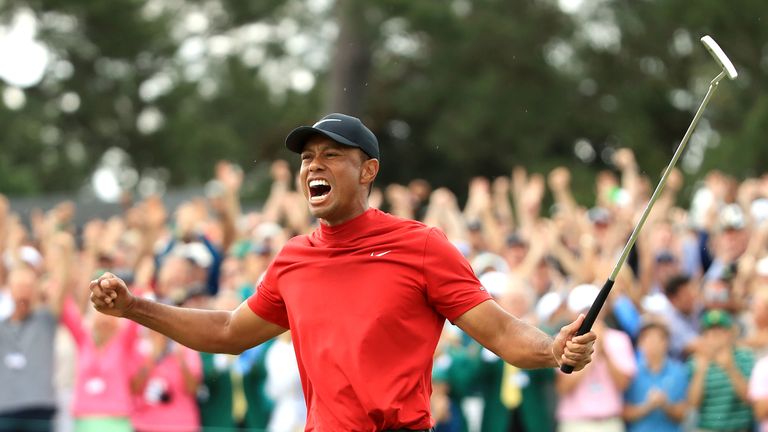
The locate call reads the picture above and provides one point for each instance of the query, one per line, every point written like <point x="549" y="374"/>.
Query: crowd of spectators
<point x="682" y="341"/>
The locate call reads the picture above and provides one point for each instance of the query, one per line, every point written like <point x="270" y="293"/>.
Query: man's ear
<point x="369" y="171"/>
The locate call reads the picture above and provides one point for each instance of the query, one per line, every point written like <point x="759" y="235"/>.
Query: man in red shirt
<point x="365" y="296"/>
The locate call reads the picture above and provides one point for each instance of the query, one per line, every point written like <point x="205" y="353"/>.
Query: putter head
<point x="720" y="56"/>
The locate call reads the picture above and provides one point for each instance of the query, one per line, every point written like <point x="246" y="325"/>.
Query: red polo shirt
<point x="366" y="302"/>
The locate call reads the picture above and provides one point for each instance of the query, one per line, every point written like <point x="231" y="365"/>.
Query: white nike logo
<point x="323" y="121"/>
<point x="380" y="254"/>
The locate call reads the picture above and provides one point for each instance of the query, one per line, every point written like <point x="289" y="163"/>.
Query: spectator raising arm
<point x="227" y="204"/>
<point x="559" y="180"/>
<point x="60" y="257"/>
<point x="479" y="208"/>
<point x="502" y="207"/>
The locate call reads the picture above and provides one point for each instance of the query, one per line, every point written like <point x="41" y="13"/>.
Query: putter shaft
<point x="597" y="305"/>
<point x="663" y="180"/>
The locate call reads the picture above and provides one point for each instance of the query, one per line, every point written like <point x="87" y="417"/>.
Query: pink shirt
<point x="102" y="380"/>
<point x="595" y="396"/>
<point x="164" y="404"/>
<point x="758" y="386"/>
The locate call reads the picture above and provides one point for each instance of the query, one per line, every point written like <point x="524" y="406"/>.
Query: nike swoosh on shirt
<point x="380" y="254"/>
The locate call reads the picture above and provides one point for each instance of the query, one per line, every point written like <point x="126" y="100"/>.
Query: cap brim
<point x="296" y="140"/>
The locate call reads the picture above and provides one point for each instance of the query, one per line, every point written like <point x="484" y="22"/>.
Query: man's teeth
<point x="314" y="183"/>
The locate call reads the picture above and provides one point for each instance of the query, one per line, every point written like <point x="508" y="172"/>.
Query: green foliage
<point x="457" y="88"/>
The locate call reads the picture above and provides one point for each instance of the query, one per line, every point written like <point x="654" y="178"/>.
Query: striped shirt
<point x="721" y="409"/>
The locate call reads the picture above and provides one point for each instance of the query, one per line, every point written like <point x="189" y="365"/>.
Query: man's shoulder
<point x="398" y="221"/>
<point x="395" y="227"/>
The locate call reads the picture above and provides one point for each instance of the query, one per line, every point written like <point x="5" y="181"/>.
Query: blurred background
<point x="146" y="138"/>
<point x="102" y="99"/>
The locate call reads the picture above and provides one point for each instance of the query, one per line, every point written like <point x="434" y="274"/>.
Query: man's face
<point x="686" y="298"/>
<point x="732" y="243"/>
<point x="653" y="342"/>
<point x="718" y="337"/>
<point x="665" y="270"/>
<point x="334" y="179"/>
<point x="515" y="254"/>
<point x="22" y="285"/>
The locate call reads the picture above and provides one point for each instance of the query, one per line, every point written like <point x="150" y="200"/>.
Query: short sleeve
<point x="452" y="288"/>
<point x="267" y="302"/>
<point x="758" y="382"/>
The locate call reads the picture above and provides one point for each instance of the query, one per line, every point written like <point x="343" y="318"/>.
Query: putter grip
<point x="594" y="310"/>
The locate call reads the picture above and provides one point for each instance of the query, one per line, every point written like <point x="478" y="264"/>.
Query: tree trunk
<point x="352" y="59"/>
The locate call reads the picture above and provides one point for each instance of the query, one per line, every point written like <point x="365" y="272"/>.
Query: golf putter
<point x="728" y="70"/>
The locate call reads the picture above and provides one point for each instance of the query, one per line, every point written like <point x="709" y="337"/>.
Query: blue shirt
<point x="672" y="379"/>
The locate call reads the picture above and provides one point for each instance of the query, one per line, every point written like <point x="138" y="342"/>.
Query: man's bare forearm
<point x="515" y="341"/>
<point x="537" y="351"/>
<point x="201" y="330"/>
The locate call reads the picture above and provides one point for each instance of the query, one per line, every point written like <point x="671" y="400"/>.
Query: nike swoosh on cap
<point x="323" y="121"/>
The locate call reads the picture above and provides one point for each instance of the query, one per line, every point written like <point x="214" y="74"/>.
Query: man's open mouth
<point x="318" y="189"/>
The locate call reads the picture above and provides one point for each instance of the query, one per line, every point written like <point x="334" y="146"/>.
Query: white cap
<point x="732" y="217"/>
<point x="761" y="268"/>
<point x="28" y="255"/>
<point x="195" y="252"/>
<point x="266" y="230"/>
<point x="495" y="282"/>
<point x="759" y="210"/>
<point x="581" y="297"/>
<point x="547" y="305"/>
<point x="655" y="303"/>
<point x="488" y="261"/>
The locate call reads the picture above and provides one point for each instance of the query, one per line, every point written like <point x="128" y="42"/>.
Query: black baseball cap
<point x="343" y="129"/>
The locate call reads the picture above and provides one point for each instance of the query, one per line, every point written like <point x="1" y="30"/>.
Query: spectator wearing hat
<point x="758" y="393"/>
<point x="666" y="266"/>
<point x="190" y="242"/>
<point x="719" y="376"/>
<point x="515" y="250"/>
<point x="655" y="399"/>
<point x="728" y="243"/>
<point x="593" y="400"/>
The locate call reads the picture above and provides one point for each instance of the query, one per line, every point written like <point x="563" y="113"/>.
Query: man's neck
<point x="346" y="218"/>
